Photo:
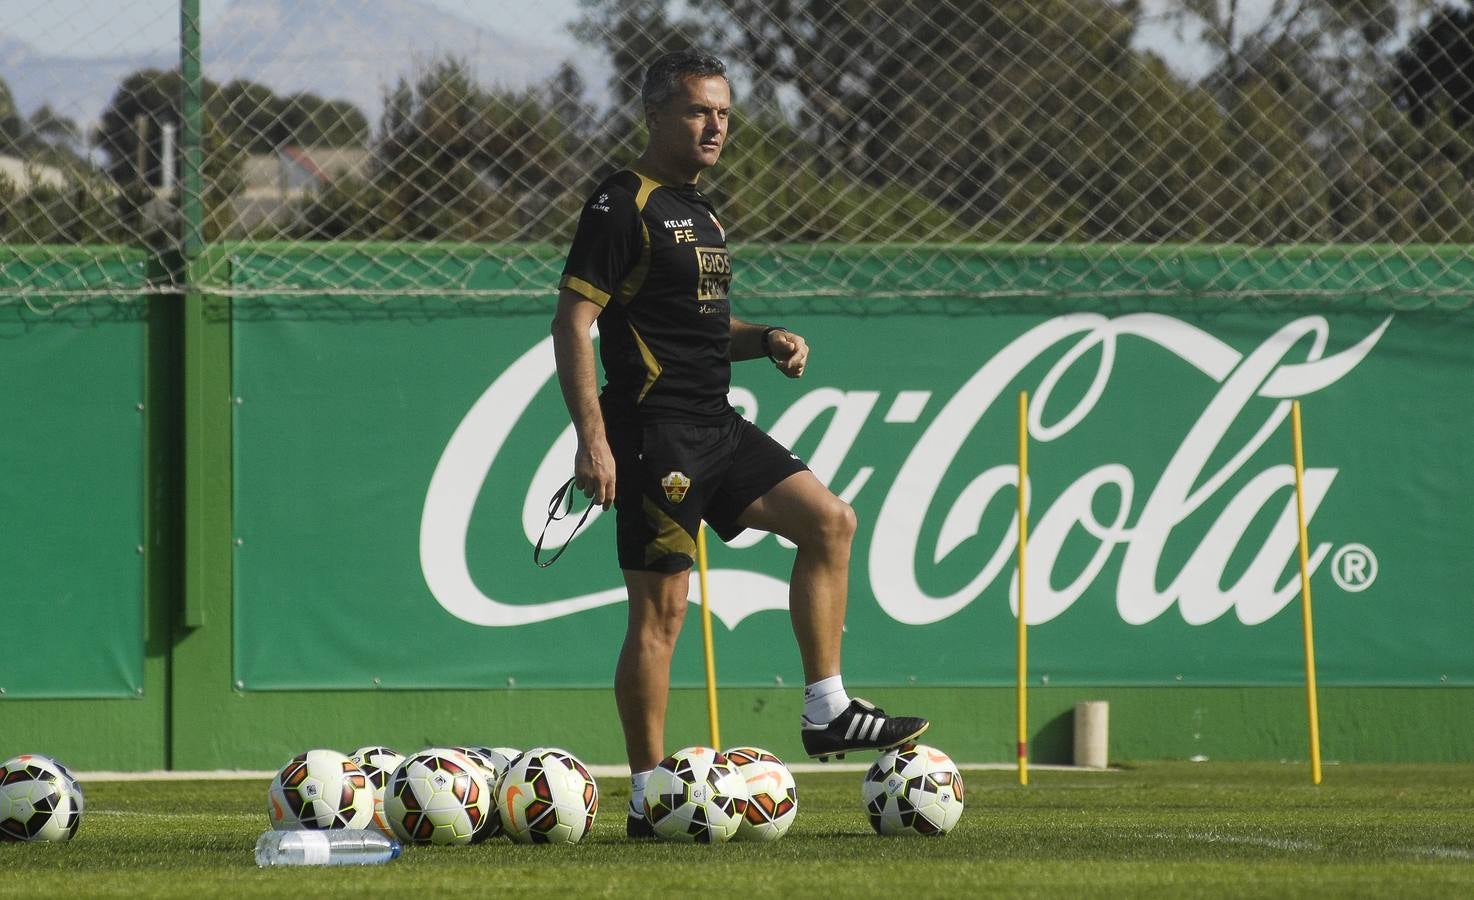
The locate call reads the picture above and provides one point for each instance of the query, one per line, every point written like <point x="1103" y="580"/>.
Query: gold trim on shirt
<point x="652" y="365"/>
<point x="584" y="289"/>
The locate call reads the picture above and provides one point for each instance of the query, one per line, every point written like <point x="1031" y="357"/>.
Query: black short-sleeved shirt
<point x="655" y="258"/>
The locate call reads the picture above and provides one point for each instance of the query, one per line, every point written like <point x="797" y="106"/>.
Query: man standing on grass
<point x="649" y="263"/>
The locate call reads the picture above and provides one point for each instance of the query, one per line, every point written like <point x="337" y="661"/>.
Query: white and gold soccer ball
<point x="547" y="796"/>
<point x="772" y="796"/>
<point x="914" y="789"/>
<point x="320" y="789"/>
<point x="491" y="770"/>
<point x="500" y="757"/>
<point x="39" y="800"/>
<point x="696" y="795"/>
<point x="378" y="763"/>
<point x="437" y="796"/>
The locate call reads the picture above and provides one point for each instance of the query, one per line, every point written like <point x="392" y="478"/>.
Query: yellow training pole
<point x="711" y="662"/>
<point x="1305" y="594"/>
<point x="1023" y="631"/>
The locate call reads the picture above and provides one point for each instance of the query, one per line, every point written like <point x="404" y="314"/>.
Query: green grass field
<point x="1156" y="830"/>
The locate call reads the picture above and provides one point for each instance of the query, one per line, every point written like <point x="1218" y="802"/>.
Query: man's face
<point x="692" y="127"/>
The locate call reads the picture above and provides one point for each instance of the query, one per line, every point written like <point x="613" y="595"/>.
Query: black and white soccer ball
<point x="40" y="800"/>
<point x="378" y="763"/>
<point x="491" y="769"/>
<point x="914" y="789"/>
<point x="547" y="796"/>
<point x="696" y="795"/>
<point x="437" y="796"/>
<point x="500" y="757"/>
<point x="320" y="789"/>
<point x="772" y="795"/>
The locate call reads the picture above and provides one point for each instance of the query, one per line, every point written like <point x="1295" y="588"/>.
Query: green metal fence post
<point x="192" y="130"/>
<point x="206" y="358"/>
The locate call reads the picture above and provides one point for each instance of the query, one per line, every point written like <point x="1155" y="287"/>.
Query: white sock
<point x="825" y="699"/>
<point x="637" y="791"/>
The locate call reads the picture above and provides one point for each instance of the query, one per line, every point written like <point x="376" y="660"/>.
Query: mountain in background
<point x="78" y="88"/>
<point x="350" y="50"/>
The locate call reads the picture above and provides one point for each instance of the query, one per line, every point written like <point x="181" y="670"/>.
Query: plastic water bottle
<point x="336" y="847"/>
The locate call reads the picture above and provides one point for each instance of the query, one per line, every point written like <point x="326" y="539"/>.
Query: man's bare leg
<point x="657" y="607"/>
<point x="822" y="526"/>
<point x="803" y="510"/>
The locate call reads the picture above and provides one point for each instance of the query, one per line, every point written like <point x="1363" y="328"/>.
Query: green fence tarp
<point x="71" y="475"/>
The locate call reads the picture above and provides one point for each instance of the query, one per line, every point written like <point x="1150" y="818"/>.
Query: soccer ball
<point x="320" y="789"/>
<point x="500" y="757"/>
<point x="914" y="789"/>
<point x="437" y="796"/>
<point x="491" y="826"/>
<point x="772" y="797"/>
<point x="378" y="763"/>
<point x="493" y="763"/>
<point x="546" y="796"/>
<point x="39" y="800"/>
<point x="696" y="795"/>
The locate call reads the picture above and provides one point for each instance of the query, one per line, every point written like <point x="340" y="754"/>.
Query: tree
<point x="135" y="159"/>
<point x="1334" y="49"/>
<point x="1434" y="85"/>
<point x="1414" y="179"/>
<point x="1019" y="119"/>
<point x="564" y="96"/>
<point x="255" y="119"/>
<point x="15" y="137"/>
<point x="307" y="120"/>
<point x="152" y="97"/>
<point x="241" y="117"/>
<point x="633" y="32"/>
<point x="454" y="160"/>
<point x="248" y="113"/>
<point x="1327" y="62"/>
<point x="1435" y="71"/>
<point x="54" y="128"/>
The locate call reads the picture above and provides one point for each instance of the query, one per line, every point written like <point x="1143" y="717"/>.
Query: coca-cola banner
<point x="394" y="463"/>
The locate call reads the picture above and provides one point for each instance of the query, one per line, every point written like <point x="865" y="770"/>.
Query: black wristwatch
<point x="767" y="343"/>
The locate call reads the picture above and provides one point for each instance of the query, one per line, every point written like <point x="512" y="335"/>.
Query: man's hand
<point x="593" y="472"/>
<point x="790" y="352"/>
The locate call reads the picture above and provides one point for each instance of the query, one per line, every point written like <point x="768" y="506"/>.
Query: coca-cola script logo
<point x="1182" y="488"/>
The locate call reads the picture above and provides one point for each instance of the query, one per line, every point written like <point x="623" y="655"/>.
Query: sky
<point x="113" y="27"/>
<point x="109" y="27"/>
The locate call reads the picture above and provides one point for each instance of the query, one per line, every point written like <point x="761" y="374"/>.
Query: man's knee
<point x="658" y="608"/>
<point x="663" y="626"/>
<point x="841" y="519"/>
<point x="833" y="522"/>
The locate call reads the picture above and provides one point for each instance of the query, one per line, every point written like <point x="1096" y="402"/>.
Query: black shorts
<point x="669" y="476"/>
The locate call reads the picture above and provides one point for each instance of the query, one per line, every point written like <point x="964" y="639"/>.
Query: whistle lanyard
<point x="554" y="515"/>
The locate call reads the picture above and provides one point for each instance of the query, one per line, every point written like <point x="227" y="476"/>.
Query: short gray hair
<point x="667" y="74"/>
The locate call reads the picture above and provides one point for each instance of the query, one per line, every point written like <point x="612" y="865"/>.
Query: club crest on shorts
<point x="676" y="484"/>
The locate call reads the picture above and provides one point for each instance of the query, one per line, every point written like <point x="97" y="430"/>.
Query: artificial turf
<point x="1153" y="830"/>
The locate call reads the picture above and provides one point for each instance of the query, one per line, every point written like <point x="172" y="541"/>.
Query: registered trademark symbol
<point x="1354" y="568"/>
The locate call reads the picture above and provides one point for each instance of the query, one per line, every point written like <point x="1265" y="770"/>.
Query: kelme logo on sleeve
<point x="675" y="484"/>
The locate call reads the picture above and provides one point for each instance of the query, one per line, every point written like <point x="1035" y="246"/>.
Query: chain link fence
<point x="1010" y="147"/>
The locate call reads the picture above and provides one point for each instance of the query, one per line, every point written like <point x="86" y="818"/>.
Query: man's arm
<point x="790" y="351"/>
<point x="593" y="464"/>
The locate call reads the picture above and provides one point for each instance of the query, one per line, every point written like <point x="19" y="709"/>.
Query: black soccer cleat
<point x="638" y="828"/>
<point x="862" y="726"/>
